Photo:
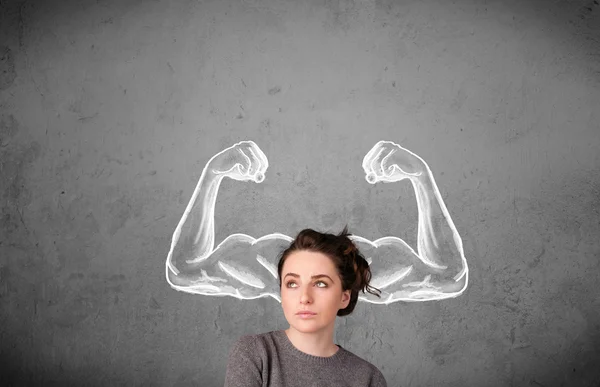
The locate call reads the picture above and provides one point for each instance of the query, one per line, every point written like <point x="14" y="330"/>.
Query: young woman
<point x="320" y="276"/>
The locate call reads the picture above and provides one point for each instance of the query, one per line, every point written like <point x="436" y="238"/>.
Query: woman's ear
<point x="345" y="299"/>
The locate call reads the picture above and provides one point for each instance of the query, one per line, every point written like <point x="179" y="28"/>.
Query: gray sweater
<point x="271" y="360"/>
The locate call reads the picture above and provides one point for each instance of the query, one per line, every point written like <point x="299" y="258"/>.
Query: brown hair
<point x="351" y="265"/>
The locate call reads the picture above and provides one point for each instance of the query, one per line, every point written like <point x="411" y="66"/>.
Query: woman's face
<point x="310" y="283"/>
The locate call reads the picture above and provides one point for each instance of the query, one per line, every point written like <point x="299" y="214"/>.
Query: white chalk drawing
<point x="246" y="268"/>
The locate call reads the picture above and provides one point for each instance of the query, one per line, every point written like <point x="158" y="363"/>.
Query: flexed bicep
<point x="438" y="269"/>
<point x="240" y="266"/>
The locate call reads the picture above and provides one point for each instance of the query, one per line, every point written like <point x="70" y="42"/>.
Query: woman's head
<point x="313" y="254"/>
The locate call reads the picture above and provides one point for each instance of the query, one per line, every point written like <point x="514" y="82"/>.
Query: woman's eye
<point x="319" y="284"/>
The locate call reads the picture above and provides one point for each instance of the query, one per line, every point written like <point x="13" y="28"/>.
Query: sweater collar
<point x="285" y="342"/>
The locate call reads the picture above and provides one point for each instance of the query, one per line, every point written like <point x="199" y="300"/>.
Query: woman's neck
<point x="315" y="344"/>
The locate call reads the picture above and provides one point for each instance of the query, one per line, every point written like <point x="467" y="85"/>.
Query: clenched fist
<point x="389" y="162"/>
<point x="243" y="161"/>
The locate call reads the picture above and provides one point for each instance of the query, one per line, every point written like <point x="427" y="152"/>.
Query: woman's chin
<point x="306" y="326"/>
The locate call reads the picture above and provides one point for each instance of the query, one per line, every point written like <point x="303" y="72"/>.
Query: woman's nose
<point x="305" y="297"/>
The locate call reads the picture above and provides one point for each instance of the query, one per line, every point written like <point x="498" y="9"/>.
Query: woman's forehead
<point x="308" y="262"/>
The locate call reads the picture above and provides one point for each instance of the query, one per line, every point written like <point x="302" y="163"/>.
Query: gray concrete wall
<point x="110" y="110"/>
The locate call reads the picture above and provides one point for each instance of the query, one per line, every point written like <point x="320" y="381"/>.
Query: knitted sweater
<point x="271" y="360"/>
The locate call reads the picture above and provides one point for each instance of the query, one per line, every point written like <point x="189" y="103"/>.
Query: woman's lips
<point x="306" y="314"/>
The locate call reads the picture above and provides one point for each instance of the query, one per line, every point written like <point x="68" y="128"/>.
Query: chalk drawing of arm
<point x="240" y="266"/>
<point x="438" y="269"/>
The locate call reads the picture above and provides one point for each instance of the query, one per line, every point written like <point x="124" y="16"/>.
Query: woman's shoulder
<point x="361" y="366"/>
<point x="244" y="341"/>
<point x="356" y="360"/>
<point x="254" y="341"/>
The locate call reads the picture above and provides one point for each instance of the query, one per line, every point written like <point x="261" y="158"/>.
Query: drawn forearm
<point x="194" y="237"/>
<point x="438" y="242"/>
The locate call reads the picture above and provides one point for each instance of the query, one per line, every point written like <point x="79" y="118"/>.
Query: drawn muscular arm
<point x="193" y="264"/>
<point x="438" y="269"/>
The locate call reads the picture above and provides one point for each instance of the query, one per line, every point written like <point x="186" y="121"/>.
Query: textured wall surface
<point x="110" y="109"/>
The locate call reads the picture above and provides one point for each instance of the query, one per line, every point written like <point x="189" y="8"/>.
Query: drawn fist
<point x="389" y="162"/>
<point x="242" y="161"/>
